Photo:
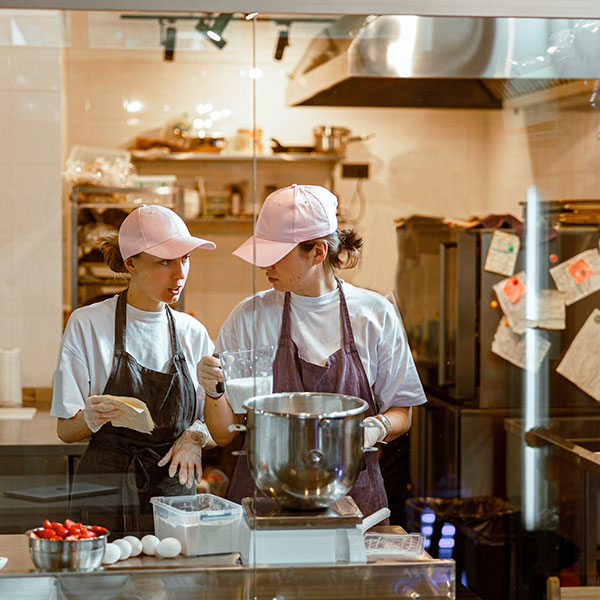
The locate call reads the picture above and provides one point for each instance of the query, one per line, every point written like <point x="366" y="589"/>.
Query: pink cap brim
<point x="176" y="247"/>
<point x="268" y="252"/>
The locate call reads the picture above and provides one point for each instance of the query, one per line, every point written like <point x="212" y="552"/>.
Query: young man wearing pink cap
<point x="330" y="336"/>
<point x="135" y="345"/>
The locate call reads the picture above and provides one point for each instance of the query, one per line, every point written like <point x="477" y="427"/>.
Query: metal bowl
<point x="55" y="555"/>
<point x="305" y="449"/>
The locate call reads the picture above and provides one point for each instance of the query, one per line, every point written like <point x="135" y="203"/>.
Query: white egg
<point x="124" y="547"/>
<point x="149" y="543"/>
<point x="168" y="548"/>
<point x="136" y="545"/>
<point x="112" y="553"/>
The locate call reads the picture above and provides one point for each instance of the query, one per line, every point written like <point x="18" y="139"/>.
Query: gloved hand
<point x="209" y="374"/>
<point x="186" y="455"/>
<point x="97" y="412"/>
<point x="375" y="432"/>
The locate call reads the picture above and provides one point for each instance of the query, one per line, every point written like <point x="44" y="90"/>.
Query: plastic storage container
<point x="204" y="523"/>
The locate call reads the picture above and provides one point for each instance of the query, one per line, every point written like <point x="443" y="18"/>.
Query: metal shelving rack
<point x="81" y="198"/>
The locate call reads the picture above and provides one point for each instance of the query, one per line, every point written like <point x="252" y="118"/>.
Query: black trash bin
<point x="485" y="535"/>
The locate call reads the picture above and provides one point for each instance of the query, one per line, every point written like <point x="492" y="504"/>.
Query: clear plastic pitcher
<point x="248" y="373"/>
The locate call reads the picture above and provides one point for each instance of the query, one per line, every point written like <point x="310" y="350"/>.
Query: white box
<point x="204" y="523"/>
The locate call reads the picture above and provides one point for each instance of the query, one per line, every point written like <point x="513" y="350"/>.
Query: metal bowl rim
<point x="331" y="415"/>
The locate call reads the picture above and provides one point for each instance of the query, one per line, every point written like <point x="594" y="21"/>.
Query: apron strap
<point x="135" y="460"/>
<point x="121" y="321"/>
<point x="286" y="327"/>
<point x="347" y="333"/>
<point x="173" y="334"/>
<point x="121" y="326"/>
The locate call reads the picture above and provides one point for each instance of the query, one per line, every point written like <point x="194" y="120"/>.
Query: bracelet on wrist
<point x="386" y="423"/>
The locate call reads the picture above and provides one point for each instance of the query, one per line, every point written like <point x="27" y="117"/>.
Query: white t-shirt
<point x="87" y="348"/>
<point x="316" y="329"/>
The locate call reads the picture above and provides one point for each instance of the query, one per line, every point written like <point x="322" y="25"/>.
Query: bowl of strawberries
<point x="70" y="545"/>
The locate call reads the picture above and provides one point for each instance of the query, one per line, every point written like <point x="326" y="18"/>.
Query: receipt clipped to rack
<point x="134" y="413"/>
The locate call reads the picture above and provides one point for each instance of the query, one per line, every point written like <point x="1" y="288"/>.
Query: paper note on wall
<point x="581" y="363"/>
<point x="526" y="351"/>
<point x="551" y="311"/>
<point x="579" y="276"/>
<point x="511" y="296"/>
<point x="502" y="253"/>
<point x="547" y="310"/>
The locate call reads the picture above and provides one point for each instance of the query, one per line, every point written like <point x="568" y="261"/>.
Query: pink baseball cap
<point x="159" y="231"/>
<point x="290" y="215"/>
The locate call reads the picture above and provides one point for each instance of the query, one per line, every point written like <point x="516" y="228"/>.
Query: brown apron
<point x="342" y="374"/>
<point x="127" y="459"/>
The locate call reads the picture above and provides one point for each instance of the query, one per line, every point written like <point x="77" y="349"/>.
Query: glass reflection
<point x="510" y="421"/>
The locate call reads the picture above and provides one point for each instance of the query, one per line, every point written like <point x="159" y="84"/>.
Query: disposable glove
<point x="375" y="432"/>
<point x="97" y="412"/>
<point x="209" y="374"/>
<point x="186" y="455"/>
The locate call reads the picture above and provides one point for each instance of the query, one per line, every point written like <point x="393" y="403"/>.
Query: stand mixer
<point x="304" y="453"/>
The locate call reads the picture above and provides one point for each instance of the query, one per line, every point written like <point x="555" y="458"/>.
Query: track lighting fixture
<point x="213" y="31"/>
<point x="167" y="38"/>
<point x="283" y="41"/>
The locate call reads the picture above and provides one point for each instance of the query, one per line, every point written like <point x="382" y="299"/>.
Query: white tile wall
<point x="30" y="200"/>
<point x="33" y="278"/>
<point x="4" y="66"/>
<point x="7" y="306"/>
<point x="5" y="127"/>
<point x="43" y="223"/>
<point x="5" y="204"/>
<point x="35" y="132"/>
<point x="35" y="68"/>
<point x="36" y="335"/>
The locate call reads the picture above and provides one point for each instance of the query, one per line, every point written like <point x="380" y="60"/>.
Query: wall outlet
<point x="355" y="171"/>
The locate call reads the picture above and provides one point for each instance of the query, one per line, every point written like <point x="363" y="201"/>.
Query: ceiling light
<point x="250" y="16"/>
<point x="212" y="31"/>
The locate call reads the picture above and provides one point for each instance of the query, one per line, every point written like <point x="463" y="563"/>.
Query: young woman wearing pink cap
<point x="330" y="336"/>
<point x="135" y="345"/>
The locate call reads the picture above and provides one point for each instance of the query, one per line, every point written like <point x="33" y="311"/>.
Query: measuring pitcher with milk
<point x="248" y="373"/>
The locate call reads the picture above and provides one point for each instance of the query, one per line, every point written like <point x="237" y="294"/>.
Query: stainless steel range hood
<point x="449" y="62"/>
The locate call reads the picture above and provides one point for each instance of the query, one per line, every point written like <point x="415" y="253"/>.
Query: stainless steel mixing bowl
<point x="305" y="449"/>
<point x="55" y="555"/>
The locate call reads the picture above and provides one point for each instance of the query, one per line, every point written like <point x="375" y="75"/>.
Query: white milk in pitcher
<point x="239" y="390"/>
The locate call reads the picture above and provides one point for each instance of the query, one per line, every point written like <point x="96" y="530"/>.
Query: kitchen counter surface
<point x="222" y="576"/>
<point x="35" y="436"/>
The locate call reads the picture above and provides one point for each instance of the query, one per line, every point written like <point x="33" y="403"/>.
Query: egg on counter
<point x="125" y="548"/>
<point x="112" y="553"/>
<point x="136" y="545"/>
<point x="149" y="543"/>
<point x="168" y="548"/>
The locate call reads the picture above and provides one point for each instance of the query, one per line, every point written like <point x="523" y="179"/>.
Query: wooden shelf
<point x="229" y="219"/>
<point x="216" y="157"/>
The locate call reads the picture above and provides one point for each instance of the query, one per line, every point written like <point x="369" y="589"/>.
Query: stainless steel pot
<point x="334" y="139"/>
<point x="304" y="449"/>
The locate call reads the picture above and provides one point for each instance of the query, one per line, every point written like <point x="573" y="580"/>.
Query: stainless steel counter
<point x="35" y="437"/>
<point x="33" y="456"/>
<point x="569" y="459"/>
<point x="223" y="577"/>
